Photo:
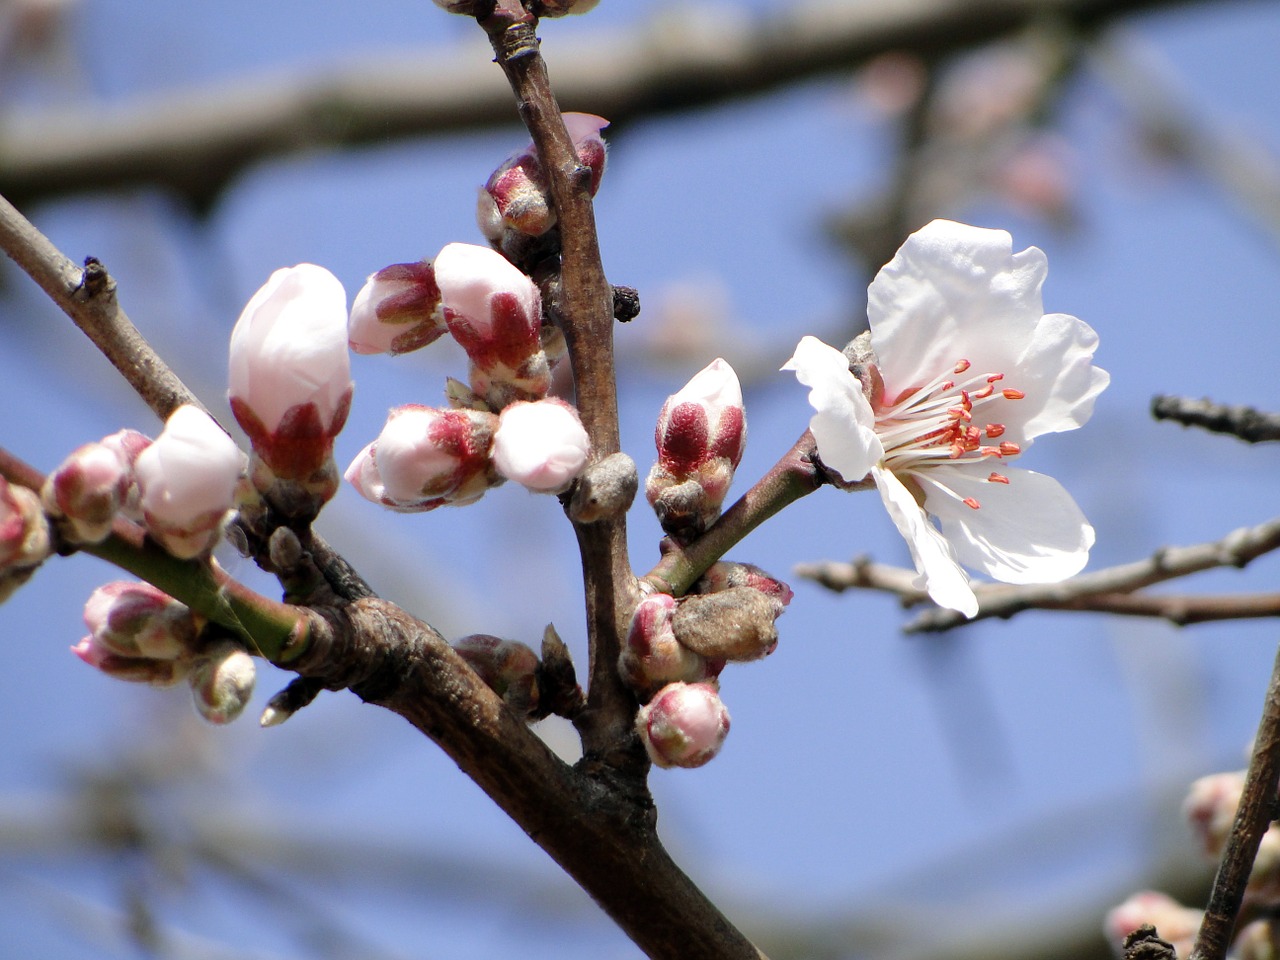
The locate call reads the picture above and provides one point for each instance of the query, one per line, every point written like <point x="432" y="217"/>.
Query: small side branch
<point x="1247" y="423"/>
<point x="1111" y="590"/>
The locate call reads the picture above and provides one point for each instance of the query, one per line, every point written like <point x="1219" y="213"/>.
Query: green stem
<point x="792" y="477"/>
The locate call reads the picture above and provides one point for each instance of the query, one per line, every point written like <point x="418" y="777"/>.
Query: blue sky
<point x="860" y="760"/>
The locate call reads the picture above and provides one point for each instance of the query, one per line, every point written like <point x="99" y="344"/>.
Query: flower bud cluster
<point x="25" y="536"/>
<point x="676" y="648"/>
<point x="514" y="209"/>
<point x="700" y="436"/>
<point x="502" y="424"/>
<point x="140" y="634"/>
<point x="1210" y="809"/>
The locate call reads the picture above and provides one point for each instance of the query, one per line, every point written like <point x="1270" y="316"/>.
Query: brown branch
<point x="1247" y="423"/>
<point x="1104" y="590"/>
<point x="1256" y="811"/>
<point x="196" y="142"/>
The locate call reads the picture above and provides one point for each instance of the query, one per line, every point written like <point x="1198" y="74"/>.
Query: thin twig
<point x="1247" y="423"/>
<point x="1256" y="811"/>
<point x="1106" y="587"/>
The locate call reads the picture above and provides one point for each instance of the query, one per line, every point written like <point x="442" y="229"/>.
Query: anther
<point x="994" y="430"/>
<point x="997" y="478"/>
<point x="1012" y="394"/>
<point x="1010" y="449"/>
<point x="972" y="503"/>
<point x="961" y="366"/>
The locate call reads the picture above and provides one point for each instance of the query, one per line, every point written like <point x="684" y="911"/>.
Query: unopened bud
<point x="1174" y="922"/>
<point x="652" y="657"/>
<point x="139" y="620"/>
<point x="725" y="574"/>
<point x="157" y="673"/>
<point x="507" y="667"/>
<point x="187" y="479"/>
<point x="397" y="310"/>
<point x="1210" y="809"/>
<point x="1259" y="940"/>
<point x="700" y="436"/>
<point x="86" y="492"/>
<point x="291" y="383"/>
<point x="515" y="203"/>
<point x="127" y="444"/>
<point x="734" y="624"/>
<point x="541" y="445"/>
<point x="426" y="458"/>
<point x="684" y="725"/>
<point x="606" y="489"/>
<point x="222" y="682"/>
<point x="559" y="8"/>
<point x="25" y="538"/>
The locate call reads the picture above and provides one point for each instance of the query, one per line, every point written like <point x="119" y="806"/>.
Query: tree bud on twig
<point x="426" y="458"/>
<point x="1259" y="940"/>
<point x="397" y="310"/>
<point x="1210" y="809"/>
<point x="541" y="445"/>
<point x="157" y="673"/>
<point x="187" y="479"/>
<point x="127" y="444"/>
<point x="222" y="682"/>
<point x="700" y="436"/>
<point x="25" y="538"/>
<point x="684" y="725"/>
<point x="734" y="624"/>
<point x="87" y="491"/>
<point x="507" y="667"/>
<point x="606" y="489"/>
<point x="652" y="656"/>
<point x="139" y="620"/>
<point x="724" y="574"/>
<point x="1173" y="921"/>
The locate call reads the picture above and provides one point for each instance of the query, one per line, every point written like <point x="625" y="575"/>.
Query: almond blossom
<point x="966" y="370"/>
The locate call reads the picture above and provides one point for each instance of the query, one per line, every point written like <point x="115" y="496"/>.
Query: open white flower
<point x="968" y="371"/>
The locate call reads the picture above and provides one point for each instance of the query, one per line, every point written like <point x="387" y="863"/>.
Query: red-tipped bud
<point x="541" y="445"/>
<point x="426" y="458"/>
<point x="734" y="624"/>
<point x="507" y="667"/>
<point x="1210" y="809"/>
<point x="25" y="537"/>
<point x="725" y="574"/>
<point x="139" y="620"/>
<point x="515" y="203"/>
<point x="87" y="491"/>
<point x="158" y="673"/>
<point x="187" y="479"/>
<point x="700" y="436"/>
<point x="653" y="657"/>
<point x="291" y="384"/>
<point x="1174" y="922"/>
<point x="397" y="310"/>
<point x="684" y="725"/>
<point x="222" y="682"/>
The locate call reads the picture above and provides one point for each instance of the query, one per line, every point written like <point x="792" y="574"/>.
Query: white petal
<point x="843" y="425"/>
<point x="953" y="292"/>
<point x="191" y="469"/>
<point x="541" y="445"/>
<point x="1029" y="530"/>
<point x="941" y="574"/>
<point x="469" y="276"/>
<point x="715" y="386"/>
<point x="1057" y="374"/>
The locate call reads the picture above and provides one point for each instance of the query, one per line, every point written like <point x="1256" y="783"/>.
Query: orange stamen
<point x="1012" y="394"/>
<point x="997" y="478"/>
<point x="971" y="502"/>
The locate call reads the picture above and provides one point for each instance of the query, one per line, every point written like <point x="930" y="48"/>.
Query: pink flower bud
<point x="515" y="203"/>
<point x="541" y="445"/>
<point x="397" y="310"/>
<point x="128" y="444"/>
<point x="507" y="667"/>
<point x="492" y="309"/>
<point x="139" y="620"/>
<point x="222" y="682"/>
<point x="652" y="657"/>
<point x="1173" y="921"/>
<point x="87" y="491"/>
<point x="1210" y="808"/>
<point x="290" y="370"/>
<point x="187" y="479"/>
<point x="725" y="574"/>
<point x="158" y="673"/>
<point x="684" y="725"/>
<point x="700" y="436"/>
<point x="25" y="537"/>
<point x="425" y="458"/>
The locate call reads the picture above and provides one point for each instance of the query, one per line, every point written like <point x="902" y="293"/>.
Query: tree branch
<point x="1256" y="811"/>
<point x="195" y="143"/>
<point x="1103" y="590"/>
<point x="1247" y="423"/>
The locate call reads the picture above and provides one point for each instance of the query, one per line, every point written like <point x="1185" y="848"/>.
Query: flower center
<point x="947" y="420"/>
